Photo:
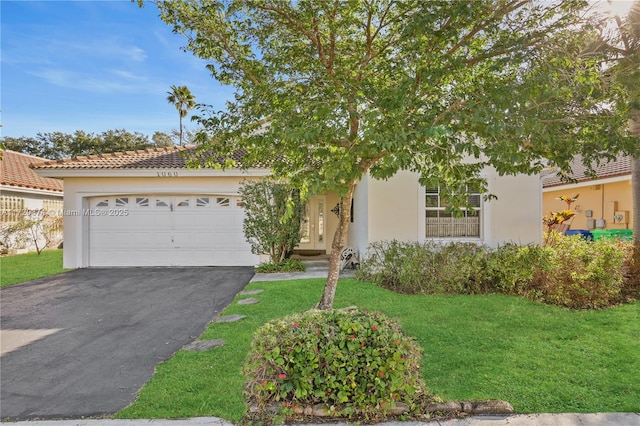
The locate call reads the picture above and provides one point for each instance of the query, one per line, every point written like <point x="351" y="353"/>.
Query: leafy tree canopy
<point x="58" y="145"/>
<point x="327" y="91"/>
<point x="357" y="86"/>
<point x="162" y="140"/>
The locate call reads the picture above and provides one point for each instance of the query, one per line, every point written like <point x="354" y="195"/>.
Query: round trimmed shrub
<point x="355" y="364"/>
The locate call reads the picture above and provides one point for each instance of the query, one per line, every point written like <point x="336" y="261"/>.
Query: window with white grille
<point x="441" y="223"/>
<point x="202" y="202"/>
<point x="222" y="201"/>
<point x="11" y="208"/>
<point x="53" y="207"/>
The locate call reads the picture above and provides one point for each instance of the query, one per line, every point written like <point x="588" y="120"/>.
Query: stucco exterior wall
<point x="602" y="199"/>
<point x="383" y="210"/>
<point x="78" y="190"/>
<point x="357" y="236"/>
<point x="515" y="216"/>
<point x="395" y="209"/>
<point x="31" y="199"/>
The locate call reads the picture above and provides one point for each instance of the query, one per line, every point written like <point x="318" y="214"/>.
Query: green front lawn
<point x="540" y="358"/>
<point x="29" y="266"/>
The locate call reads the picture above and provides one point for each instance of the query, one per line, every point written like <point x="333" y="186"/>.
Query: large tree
<point x="622" y="40"/>
<point x="162" y="140"/>
<point x="52" y="145"/>
<point x="58" y="145"/>
<point x="330" y="91"/>
<point x="184" y="101"/>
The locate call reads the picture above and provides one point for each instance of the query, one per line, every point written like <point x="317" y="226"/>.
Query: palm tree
<point x="181" y="97"/>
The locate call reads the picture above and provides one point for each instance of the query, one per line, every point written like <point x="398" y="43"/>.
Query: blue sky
<point x="94" y="66"/>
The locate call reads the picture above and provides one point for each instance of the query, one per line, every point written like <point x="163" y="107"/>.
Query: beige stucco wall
<point x="383" y="209"/>
<point x="599" y="198"/>
<point x="77" y="191"/>
<point x="395" y="209"/>
<point x="357" y="236"/>
<point x="515" y="216"/>
<point x="33" y="199"/>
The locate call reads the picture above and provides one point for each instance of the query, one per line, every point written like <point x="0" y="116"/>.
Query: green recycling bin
<point x="621" y="234"/>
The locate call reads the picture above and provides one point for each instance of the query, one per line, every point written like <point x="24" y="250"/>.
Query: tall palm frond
<point x="182" y="98"/>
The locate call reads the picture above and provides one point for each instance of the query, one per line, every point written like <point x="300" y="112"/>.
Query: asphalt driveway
<point x="100" y="332"/>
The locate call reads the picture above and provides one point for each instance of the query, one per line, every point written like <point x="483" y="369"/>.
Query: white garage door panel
<point x="130" y="258"/>
<point x="193" y="230"/>
<point x="199" y="240"/>
<point x="146" y="220"/>
<point x="160" y="221"/>
<point x="193" y="240"/>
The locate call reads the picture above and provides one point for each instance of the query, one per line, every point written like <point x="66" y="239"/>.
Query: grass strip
<point x="29" y="266"/>
<point x="540" y="358"/>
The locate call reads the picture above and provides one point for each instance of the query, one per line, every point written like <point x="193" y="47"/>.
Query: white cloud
<point x="105" y="83"/>
<point x="127" y="75"/>
<point x="105" y="50"/>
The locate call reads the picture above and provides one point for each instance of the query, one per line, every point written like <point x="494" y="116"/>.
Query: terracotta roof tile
<point x="15" y="171"/>
<point x="142" y="159"/>
<point x="620" y="167"/>
<point x="165" y="158"/>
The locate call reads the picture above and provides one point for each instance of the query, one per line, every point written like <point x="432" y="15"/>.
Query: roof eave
<point x="28" y="190"/>
<point x="588" y="182"/>
<point x="148" y="172"/>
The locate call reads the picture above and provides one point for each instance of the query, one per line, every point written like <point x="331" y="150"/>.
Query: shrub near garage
<point x="287" y="265"/>
<point x="355" y="364"/>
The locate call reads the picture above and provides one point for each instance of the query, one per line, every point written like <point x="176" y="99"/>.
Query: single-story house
<point x="147" y="208"/>
<point x="604" y="201"/>
<point x="21" y="189"/>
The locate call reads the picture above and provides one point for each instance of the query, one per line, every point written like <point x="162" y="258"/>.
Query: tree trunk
<point x="634" y="126"/>
<point x="635" y="195"/>
<point x="339" y="240"/>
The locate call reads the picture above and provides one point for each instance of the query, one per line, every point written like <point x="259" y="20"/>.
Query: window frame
<point x="456" y="225"/>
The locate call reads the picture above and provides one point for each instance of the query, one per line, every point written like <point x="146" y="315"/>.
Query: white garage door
<point x="156" y="230"/>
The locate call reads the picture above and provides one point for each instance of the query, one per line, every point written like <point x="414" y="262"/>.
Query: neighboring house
<point x="605" y="201"/>
<point x="147" y="208"/>
<point x="22" y="190"/>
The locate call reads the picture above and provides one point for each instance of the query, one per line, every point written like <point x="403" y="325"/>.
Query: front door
<point x="314" y="224"/>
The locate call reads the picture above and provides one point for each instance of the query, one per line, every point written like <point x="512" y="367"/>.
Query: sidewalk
<point x="317" y="267"/>
<point x="602" y="419"/>
<point x="311" y="272"/>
